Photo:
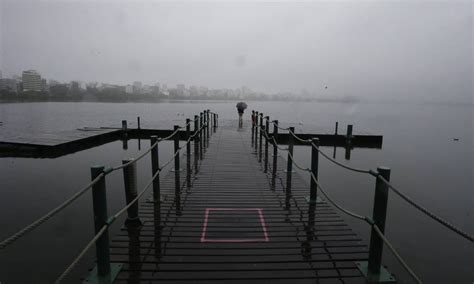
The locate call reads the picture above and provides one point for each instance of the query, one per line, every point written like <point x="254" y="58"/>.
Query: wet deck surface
<point x="53" y="139"/>
<point x="233" y="228"/>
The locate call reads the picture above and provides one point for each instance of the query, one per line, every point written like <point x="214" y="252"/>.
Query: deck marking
<point x="239" y="240"/>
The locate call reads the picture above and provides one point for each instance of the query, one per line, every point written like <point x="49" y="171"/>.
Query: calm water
<point x="418" y="146"/>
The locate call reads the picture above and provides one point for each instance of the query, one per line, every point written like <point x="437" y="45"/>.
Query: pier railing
<point x="373" y="269"/>
<point x="105" y="272"/>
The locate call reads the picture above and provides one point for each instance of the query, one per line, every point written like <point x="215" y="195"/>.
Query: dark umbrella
<point x="241" y="105"/>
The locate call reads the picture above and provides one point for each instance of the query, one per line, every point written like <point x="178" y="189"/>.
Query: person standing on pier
<point x="241" y="106"/>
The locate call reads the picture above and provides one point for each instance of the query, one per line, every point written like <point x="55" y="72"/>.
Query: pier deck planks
<point x="230" y="176"/>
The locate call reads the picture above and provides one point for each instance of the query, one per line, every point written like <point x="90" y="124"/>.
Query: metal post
<point x="155" y="165"/>
<point x="289" y="165"/>
<point x="99" y="202"/>
<point x="130" y="184"/>
<point x="138" y="122"/>
<point x="200" y="136"/>
<point x="125" y="135"/>
<point x="177" y="192"/>
<point x="349" y="132"/>
<point x="261" y="136"/>
<point x="378" y="216"/>
<point x="207" y="126"/>
<point x="275" y="153"/>
<point x="313" y="196"/>
<point x="215" y="121"/>
<point x="267" y="132"/>
<point x="256" y="131"/>
<point x="337" y="126"/>
<point x="188" y="153"/>
<point x="196" y="143"/>
<point x="253" y="126"/>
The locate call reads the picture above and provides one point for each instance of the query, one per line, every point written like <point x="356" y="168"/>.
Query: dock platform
<point x="231" y="226"/>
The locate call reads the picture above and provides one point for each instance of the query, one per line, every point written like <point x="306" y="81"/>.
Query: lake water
<point x="419" y="146"/>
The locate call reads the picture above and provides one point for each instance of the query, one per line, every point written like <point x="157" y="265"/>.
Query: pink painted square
<point x="210" y="211"/>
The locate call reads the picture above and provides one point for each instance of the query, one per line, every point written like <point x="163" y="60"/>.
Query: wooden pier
<point x="231" y="226"/>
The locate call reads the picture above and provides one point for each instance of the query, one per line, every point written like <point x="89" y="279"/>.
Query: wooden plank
<point x="225" y="201"/>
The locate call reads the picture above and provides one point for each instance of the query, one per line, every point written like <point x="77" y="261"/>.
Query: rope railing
<point x="6" y="242"/>
<point x="114" y="217"/>
<point x="374" y="173"/>
<point x="381" y="174"/>
<point x="48" y="215"/>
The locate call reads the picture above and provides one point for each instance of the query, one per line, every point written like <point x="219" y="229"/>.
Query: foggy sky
<point x="379" y="50"/>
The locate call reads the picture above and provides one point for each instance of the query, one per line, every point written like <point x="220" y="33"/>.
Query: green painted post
<point x="177" y="181"/>
<point x="378" y="216"/>
<point x="289" y="165"/>
<point x="200" y="136"/>
<point x="207" y="127"/>
<point x="256" y="131"/>
<point x="188" y="153"/>
<point x="261" y="136"/>
<point x="275" y="153"/>
<point x="130" y="185"/>
<point x="314" y="170"/>
<point x="99" y="203"/>
<point x="349" y="132"/>
<point x="196" y="143"/>
<point x="267" y="132"/>
<point x="155" y="165"/>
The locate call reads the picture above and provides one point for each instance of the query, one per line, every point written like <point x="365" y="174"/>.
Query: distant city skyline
<point x="412" y="49"/>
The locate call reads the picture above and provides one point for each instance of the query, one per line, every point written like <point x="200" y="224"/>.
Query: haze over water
<point x="408" y="63"/>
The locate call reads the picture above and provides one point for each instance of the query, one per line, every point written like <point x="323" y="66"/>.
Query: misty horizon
<point x="388" y="51"/>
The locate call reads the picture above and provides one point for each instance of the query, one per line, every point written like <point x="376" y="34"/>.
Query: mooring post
<point x="378" y="216"/>
<point x="261" y="137"/>
<point x="337" y="126"/>
<point x="124" y="135"/>
<point x="200" y="136"/>
<point x="177" y="192"/>
<point x="188" y="153"/>
<point x="313" y="195"/>
<point x="99" y="204"/>
<point x="289" y="165"/>
<point x="207" y="127"/>
<point x="196" y="143"/>
<point x="130" y="185"/>
<point x="349" y="133"/>
<point x="256" y="131"/>
<point x="267" y="132"/>
<point x="155" y="166"/>
<point x="138" y="122"/>
<point x="275" y="153"/>
<point x="215" y="121"/>
<point x="253" y="126"/>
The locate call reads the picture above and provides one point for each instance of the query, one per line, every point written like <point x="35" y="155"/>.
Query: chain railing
<point x="382" y="175"/>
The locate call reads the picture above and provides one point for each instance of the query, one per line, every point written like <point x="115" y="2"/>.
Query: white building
<point x="31" y="81"/>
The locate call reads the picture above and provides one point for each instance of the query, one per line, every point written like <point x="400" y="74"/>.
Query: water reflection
<point x="134" y="254"/>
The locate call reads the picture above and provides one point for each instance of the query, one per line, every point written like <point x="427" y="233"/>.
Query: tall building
<point x="8" y="85"/>
<point x="31" y="81"/>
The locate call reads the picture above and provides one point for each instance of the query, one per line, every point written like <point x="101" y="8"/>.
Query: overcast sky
<point x="384" y="49"/>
